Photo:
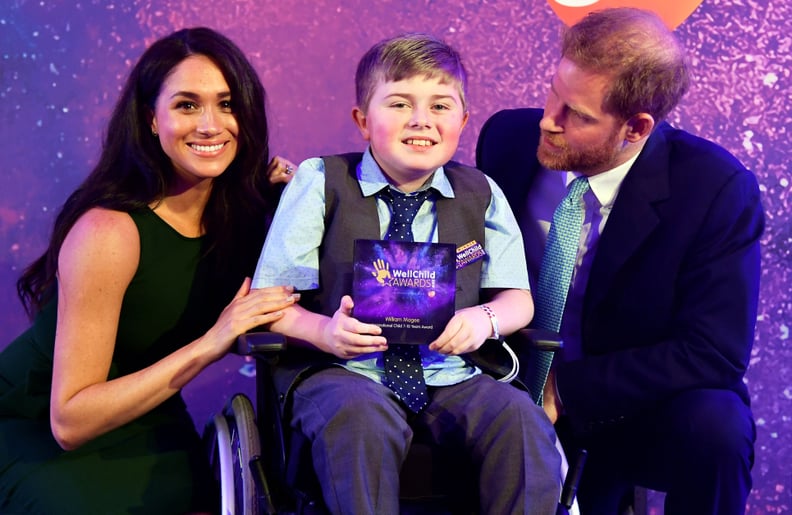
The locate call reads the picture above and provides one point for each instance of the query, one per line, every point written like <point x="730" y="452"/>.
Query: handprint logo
<point x="381" y="271"/>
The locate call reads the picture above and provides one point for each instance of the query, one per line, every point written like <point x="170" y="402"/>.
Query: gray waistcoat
<point x="350" y="216"/>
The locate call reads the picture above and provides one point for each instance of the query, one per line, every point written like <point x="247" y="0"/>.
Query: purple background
<point x="62" y="64"/>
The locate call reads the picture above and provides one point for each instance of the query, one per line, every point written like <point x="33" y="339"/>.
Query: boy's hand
<point x="347" y="337"/>
<point x="465" y="332"/>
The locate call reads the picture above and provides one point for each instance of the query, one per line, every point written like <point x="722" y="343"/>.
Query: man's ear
<point x="639" y="127"/>
<point x="359" y="117"/>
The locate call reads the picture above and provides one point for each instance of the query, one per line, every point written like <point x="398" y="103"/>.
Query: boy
<point x="411" y="110"/>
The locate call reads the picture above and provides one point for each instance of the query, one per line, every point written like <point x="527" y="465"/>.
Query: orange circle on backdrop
<point x="673" y="12"/>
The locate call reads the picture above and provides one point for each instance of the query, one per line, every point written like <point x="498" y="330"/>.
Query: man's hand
<point x="551" y="402"/>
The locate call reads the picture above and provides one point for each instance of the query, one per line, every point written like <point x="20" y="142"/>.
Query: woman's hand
<point x="280" y="169"/>
<point x="248" y="309"/>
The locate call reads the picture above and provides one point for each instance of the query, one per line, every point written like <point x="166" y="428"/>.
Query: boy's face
<point x="413" y="127"/>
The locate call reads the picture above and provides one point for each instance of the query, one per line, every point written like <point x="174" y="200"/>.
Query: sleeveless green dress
<point x="155" y="464"/>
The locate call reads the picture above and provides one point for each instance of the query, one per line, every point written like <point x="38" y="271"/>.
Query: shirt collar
<point x="605" y="185"/>
<point x="372" y="180"/>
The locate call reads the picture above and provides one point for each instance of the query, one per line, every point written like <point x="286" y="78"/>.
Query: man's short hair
<point x="646" y="62"/>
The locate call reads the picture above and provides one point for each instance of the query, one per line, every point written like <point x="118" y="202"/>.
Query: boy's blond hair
<point x="406" y="56"/>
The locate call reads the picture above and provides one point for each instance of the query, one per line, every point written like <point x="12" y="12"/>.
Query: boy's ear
<point x="359" y="117"/>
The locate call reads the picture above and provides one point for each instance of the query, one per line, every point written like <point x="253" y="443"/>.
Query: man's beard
<point x="594" y="159"/>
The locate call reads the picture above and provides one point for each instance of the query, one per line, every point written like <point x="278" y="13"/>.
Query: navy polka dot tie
<point x="555" y="273"/>
<point x="403" y="369"/>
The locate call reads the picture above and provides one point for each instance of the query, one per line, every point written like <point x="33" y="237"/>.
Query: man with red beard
<point x="659" y="317"/>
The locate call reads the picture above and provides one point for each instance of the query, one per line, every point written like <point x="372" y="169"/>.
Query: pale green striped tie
<point x="558" y="263"/>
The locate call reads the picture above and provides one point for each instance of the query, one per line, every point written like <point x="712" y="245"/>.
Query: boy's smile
<point x="413" y="127"/>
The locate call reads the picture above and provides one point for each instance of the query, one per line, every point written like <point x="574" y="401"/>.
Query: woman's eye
<point x="186" y="105"/>
<point x="226" y="105"/>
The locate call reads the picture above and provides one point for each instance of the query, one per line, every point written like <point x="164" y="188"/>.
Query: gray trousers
<point x="360" y="435"/>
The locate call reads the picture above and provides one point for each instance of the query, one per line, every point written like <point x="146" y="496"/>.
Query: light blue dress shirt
<point x="291" y="251"/>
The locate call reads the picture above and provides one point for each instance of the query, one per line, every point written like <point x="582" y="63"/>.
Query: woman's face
<point x="194" y="120"/>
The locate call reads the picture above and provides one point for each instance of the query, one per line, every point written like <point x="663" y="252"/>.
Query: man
<point x="660" y="311"/>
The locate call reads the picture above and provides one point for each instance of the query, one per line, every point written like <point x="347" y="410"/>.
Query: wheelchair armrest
<point x="504" y="359"/>
<point x="264" y="342"/>
<point x="539" y="339"/>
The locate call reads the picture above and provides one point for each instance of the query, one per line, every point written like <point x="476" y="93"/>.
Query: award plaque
<point x="406" y="288"/>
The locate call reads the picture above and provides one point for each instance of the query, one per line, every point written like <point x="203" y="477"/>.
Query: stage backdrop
<point x="62" y="63"/>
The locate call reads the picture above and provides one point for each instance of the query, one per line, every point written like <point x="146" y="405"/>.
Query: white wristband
<point x="493" y="320"/>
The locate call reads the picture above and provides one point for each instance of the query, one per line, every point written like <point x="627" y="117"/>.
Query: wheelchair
<point x="257" y="460"/>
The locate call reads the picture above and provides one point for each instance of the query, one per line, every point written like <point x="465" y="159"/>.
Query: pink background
<point x="62" y="64"/>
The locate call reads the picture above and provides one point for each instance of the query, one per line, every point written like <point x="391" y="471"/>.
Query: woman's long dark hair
<point x="133" y="171"/>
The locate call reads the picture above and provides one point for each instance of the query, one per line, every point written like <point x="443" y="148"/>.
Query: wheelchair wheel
<point x="232" y="440"/>
<point x="245" y="445"/>
<point x="218" y="441"/>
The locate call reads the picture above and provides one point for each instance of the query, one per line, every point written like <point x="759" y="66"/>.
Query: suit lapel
<point x="633" y="217"/>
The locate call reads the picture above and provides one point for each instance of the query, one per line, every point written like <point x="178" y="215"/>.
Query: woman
<point x="143" y="285"/>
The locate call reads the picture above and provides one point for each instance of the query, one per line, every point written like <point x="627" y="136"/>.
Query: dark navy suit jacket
<point x="672" y="294"/>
